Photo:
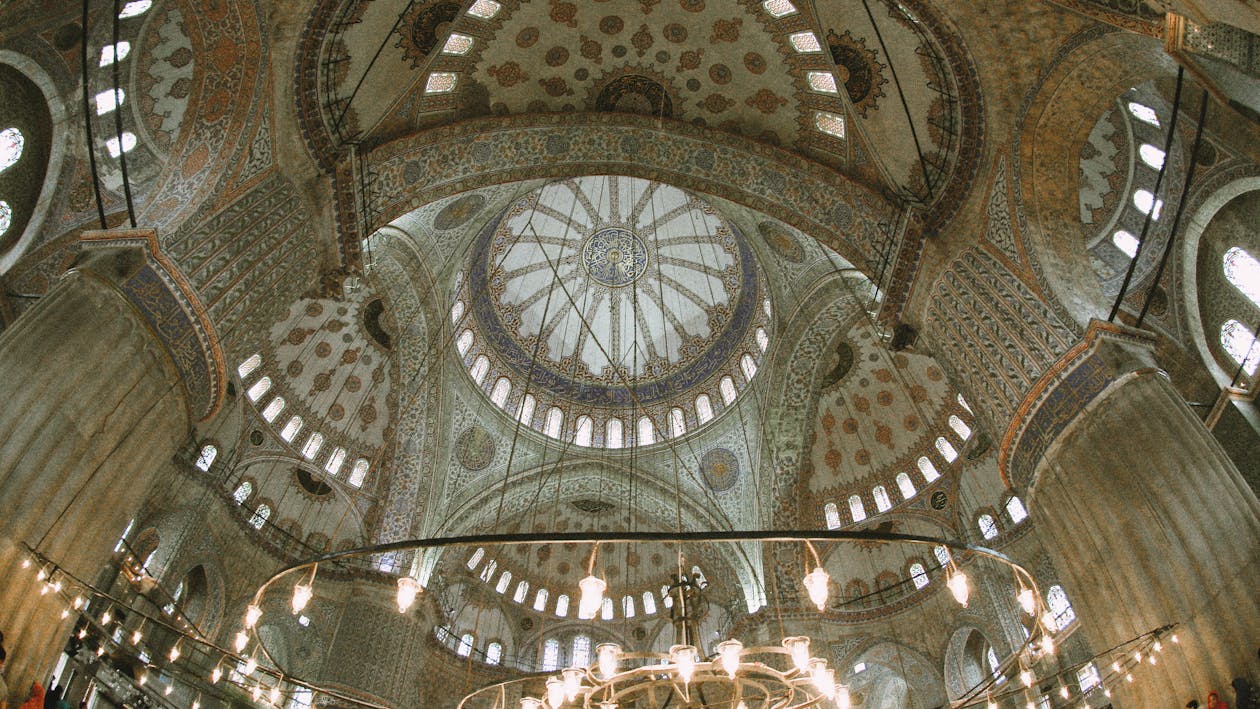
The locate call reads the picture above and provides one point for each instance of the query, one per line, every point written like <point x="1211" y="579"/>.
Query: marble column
<point x="94" y="405"/>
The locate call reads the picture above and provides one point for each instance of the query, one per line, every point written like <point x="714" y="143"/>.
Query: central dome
<point x="615" y="297"/>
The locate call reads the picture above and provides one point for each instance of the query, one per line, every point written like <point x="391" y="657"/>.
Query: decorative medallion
<point x="614" y="257"/>
<point x="720" y="469"/>
<point x="421" y="28"/>
<point x="939" y="500"/>
<point x="635" y="93"/>
<point x="862" y="75"/>
<point x="781" y="241"/>
<point x="475" y="448"/>
<point x="838" y="364"/>
<point x="458" y="213"/>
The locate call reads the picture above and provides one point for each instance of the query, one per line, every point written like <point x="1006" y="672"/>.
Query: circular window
<point x="25" y="145"/>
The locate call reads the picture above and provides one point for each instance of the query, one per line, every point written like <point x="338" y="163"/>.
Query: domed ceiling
<point x="613" y="298"/>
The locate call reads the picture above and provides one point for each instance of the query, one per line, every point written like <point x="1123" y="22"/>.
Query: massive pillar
<point x="1144" y="515"/>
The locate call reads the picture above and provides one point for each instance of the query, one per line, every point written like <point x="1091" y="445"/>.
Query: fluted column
<point x="93" y="404"/>
<point x="1149" y="522"/>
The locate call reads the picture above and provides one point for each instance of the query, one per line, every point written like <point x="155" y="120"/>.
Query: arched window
<point x="988" y="527"/>
<point x="832" y="514"/>
<point x="649" y="603"/>
<point x="242" y="492"/>
<point x="960" y="427"/>
<point x="606" y="608"/>
<point x="358" y="473"/>
<point x="6" y="216"/>
<point x="1146" y="203"/>
<point x="647" y="433"/>
<point x="476" y="558"/>
<point x="1060" y="606"/>
<point x="487" y="571"/>
<point x="313" y="444"/>
<point x="627" y="606"/>
<point x="457" y="311"/>
<point x="12" y="142"/>
<point x="521" y="593"/>
<point x="1015" y="510"/>
<point x="494" y="653"/>
<point x="540" y="600"/>
<point x="481" y="365"/>
<point x="555" y="421"/>
<point x="525" y="414"/>
<point x="499" y="395"/>
<point x="1144" y="113"/>
<point x="946" y="449"/>
<point x="667" y="599"/>
<point x="274" y="407"/>
<point x="1240" y="343"/>
<point x="206" y="458"/>
<point x="465" y="645"/>
<point x="259" y="518"/>
<point x="918" y="575"/>
<point x="906" y="485"/>
<point x="1243" y="271"/>
<point x="135" y="8"/>
<point x="613" y="436"/>
<point x="778" y="8"/>
<point x="114" y="52"/>
<point x="677" y="423"/>
<point x="748" y="367"/>
<point x="551" y="655"/>
<point x="582" y="432"/>
<point x="562" y="605"/>
<point x="963" y="403"/>
<point x="291" y="428"/>
<point x="941" y="554"/>
<point x="335" y="461"/>
<point x="245" y="368"/>
<point x="260" y="387"/>
<point x="928" y="470"/>
<point x="856" y="508"/>
<point x="117" y="147"/>
<point x="107" y="101"/>
<point x="704" y="408"/>
<point x="1126" y="242"/>
<point x="1151" y="155"/>
<point x="464" y="342"/>
<point x="581" y="656"/>
<point x="763" y="340"/>
<point x="505" y="580"/>
<point x="882" y="503"/>
<point x="727" y="387"/>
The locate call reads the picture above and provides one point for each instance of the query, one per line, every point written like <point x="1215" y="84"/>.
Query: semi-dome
<point x="611" y="311"/>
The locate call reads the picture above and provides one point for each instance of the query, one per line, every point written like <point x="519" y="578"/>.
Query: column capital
<point x="1107" y="352"/>
<point x="131" y="260"/>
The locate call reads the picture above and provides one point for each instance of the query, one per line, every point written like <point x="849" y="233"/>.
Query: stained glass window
<point x="941" y="554"/>
<point x="313" y="444"/>
<point x="522" y="592"/>
<point x="485" y="9"/>
<point x="918" y="575"/>
<point x="627" y="608"/>
<point x="805" y="42"/>
<point x="291" y="428"/>
<point x="856" y="508"/>
<point x="248" y="366"/>
<point x="779" y="8"/>
<point x="829" y="123"/>
<point x="960" y="427"/>
<point x="946" y="449"/>
<point x="6" y="216"/>
<point x="581" y="656"/>
<point x="242" y="492"/>
<point x="440" y="82"/>
<point x="823" y="81"/>
<point x="260" y="387"/>
<point x="988" y="527"/>
<point x="260" y="516"/>
<point x="359" y="473"/>
<point x="1015" y="509"/>
<point x="494" y="653"/>
<point x="107" y="101"/>
<point x="1241" y="344"/>
<point x="12" y="143"/>
<point x="551" y="655"/>
<point x="748" y="366"/>
<point x="606" y="609"/>
<point x="1243" y="271"/>
<point x="464" y="649"/>
<point x="832" y="515"/>
<point x="928" y="470"/>
<point x="487" y="571"/>
<point x="335" y="461"/>
<point x="457" y="44"/>
<point x="882" y="501"/>
<point x="1060" y="606"/>
<point x="763" y="339"/>
<point x="206" y="458"/>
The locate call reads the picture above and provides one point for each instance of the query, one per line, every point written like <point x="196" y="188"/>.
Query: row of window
<point x="883" y="502"/>
<point x="111" y="99"/>
<point x="1242" y="270"/>
<point x="314" y="441"/>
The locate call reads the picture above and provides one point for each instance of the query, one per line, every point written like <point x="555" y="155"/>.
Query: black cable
<point x="1181" y="206"/>
<point x="87" y="118"/>
<point x="1146" y="225"/>
<point x="118" y="126"/>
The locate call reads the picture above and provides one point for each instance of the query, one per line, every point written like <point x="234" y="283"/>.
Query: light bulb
<point x="798" y="647"/>
<point x="45" y="589"/>
<point x="408" y="589"/>
<point x="1063" y="691"/>
<point x="174" y="653"/>
<point x="1026" y="676"/>
<point x="136" y="637"/>
<point x="531" y="703"/>
<point x="741" y="705"/>
<point x="1030" y="705"/>
<point x="1137" y="656"/>
<point x="816" y="583"/>
<point x="823" y="677"/>
<point x="78" y="602"/>
<point x="168" y="690"/>
<point x="1027" y="600"/>
<point x="1157" y="646"/>
<point x="572" y="681"/>
<point x="842" y="697"/>
<point x="1151" y="659"/>
<point x="216" y="675"/>
<point x="65" y="613"/>
<point x="275" y="695"/>
<point x="728" y="653"/>
<point x="144" y="678"/>
<point x="592" y="596"/>
<point x="196" y="704"/>
<point x="302" y="594"/>
<point x="1107" y="693"/>
<point x="1047" y="644"/>
<point x="82" y="633"/>
<point x="241" y="641"/>
<point x="250" y="665"/>
<point x="555" y="692"/>
<point x="608" y="704"/>
<point x="57" y="586"/>
<point x="684" y="657"/>
<point x="257" y="692"/>
<point x="1128" y="678"/>
<point x="958" y="586"/>
<point x="1175" y="639"/>
<point x="252" y="614"/>
<point x="1049" y="621"/>
<point x="42" y="574"/>
<point x="26" y="563"/>
<point x="106" y="618"/>
<point x="1115" y="667"/>
<point x="100" y="651"/>
<point x="608" y="655"/>
<point x="992" y="704"/>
